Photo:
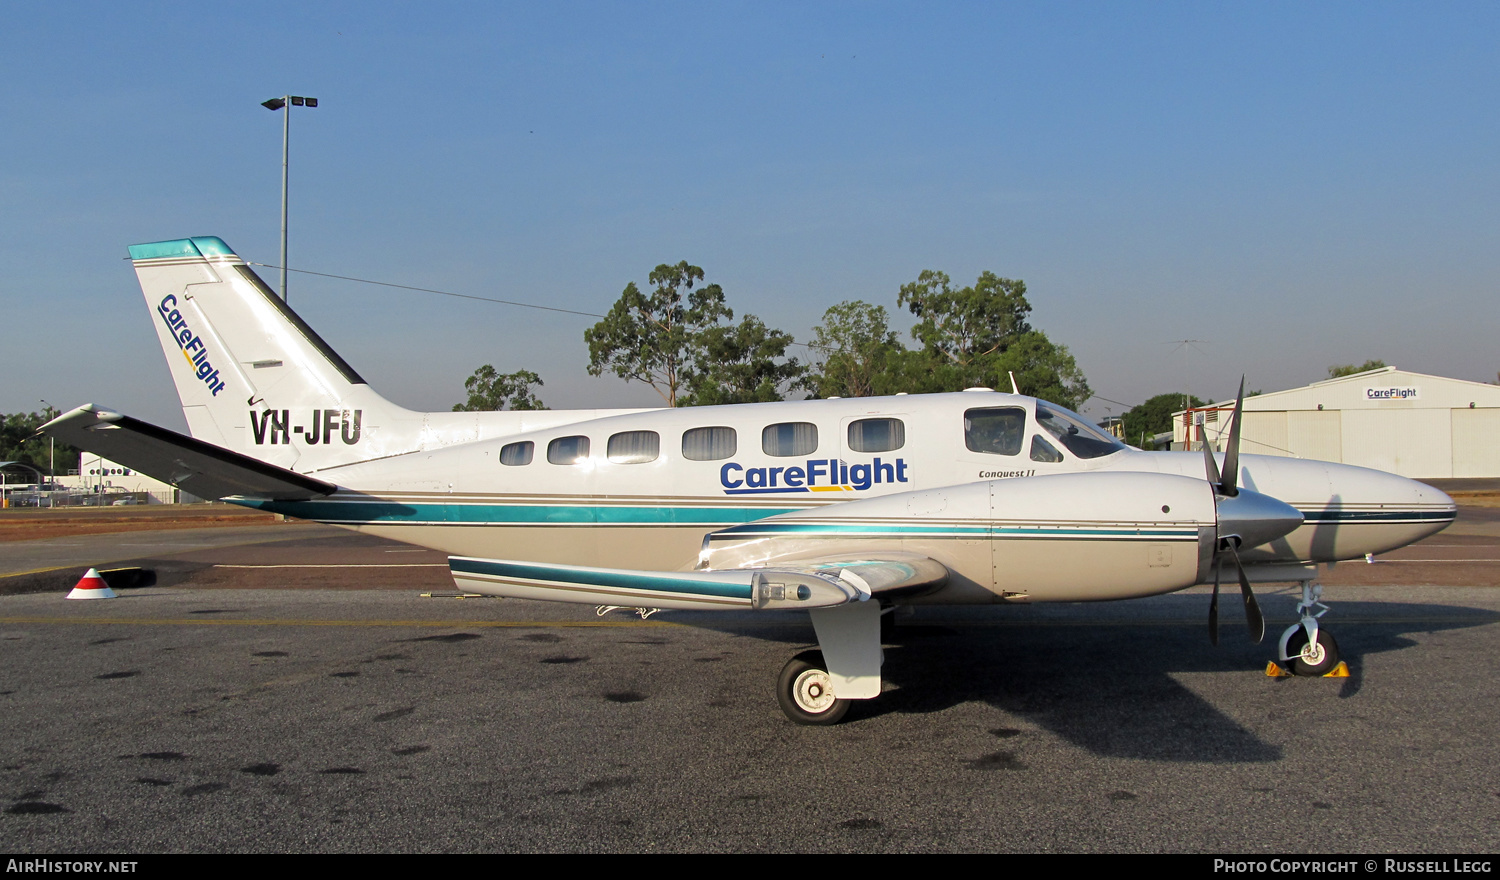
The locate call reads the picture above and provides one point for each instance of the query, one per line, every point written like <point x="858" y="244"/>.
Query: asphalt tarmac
<point x="255" y="700"/>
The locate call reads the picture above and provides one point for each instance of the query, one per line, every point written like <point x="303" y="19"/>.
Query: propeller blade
<point x="1209" y="465"/>
<point x="1213" y="606"/>
<point x="1229" y="481"/>
<point x="1253" y="617"/>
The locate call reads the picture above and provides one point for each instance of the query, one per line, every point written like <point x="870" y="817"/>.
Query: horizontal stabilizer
<point x="203" y="469"/>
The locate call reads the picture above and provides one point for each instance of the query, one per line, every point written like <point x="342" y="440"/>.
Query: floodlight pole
<point x="286" y="102"/>
<point x="286" y="144"/>
<point x="51" y="443"/>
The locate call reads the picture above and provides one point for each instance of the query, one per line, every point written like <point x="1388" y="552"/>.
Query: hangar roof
<point x="1385" y="388"/>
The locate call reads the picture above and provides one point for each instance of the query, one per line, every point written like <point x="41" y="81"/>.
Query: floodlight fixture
<point x="287" y="102"/>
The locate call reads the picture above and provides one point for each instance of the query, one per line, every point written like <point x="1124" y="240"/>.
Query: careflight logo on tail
<point x="191" y="344"/>
<point x="817" y="475"/>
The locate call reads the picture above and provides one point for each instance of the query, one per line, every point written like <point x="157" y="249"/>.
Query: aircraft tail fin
<point x="252" y="376"/>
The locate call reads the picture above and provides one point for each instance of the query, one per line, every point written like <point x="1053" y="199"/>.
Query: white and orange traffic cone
<point x="92" y="586"/>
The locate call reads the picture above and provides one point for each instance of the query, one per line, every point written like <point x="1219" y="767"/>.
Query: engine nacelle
<point x="1066" y="537"/>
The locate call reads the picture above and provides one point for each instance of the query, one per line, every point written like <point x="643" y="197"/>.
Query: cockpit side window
<point x="1075" y="433"/>
<point x="995" y="430"/>
<point x="1041" y="450"/>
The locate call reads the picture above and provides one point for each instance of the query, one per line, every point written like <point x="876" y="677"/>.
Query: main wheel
<point x="805" y="691"/>
<point x="1319" y="659"/>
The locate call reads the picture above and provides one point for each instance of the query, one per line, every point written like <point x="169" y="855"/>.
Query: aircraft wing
<point x="203" y="469"/>
<point x="802" y="584"/>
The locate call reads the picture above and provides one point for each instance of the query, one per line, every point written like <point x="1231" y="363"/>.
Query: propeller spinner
<point x="1245" y="519"/>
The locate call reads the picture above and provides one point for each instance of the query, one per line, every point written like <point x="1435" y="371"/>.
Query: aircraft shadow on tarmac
<point x="1110" y="686"/>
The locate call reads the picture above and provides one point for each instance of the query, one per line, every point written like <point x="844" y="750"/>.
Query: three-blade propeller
<point x="1226" y="486"/>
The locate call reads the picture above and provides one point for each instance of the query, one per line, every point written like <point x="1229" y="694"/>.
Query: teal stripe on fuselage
<point x="802" y="529"/>
<point x="1360" y="516"/>
<point x="459" y="513"/>
<point x="615" y="580"/>
<point x="361" y="512"/>
<point x="977" y="531"/>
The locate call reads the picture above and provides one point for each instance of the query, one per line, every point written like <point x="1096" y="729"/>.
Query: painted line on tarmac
<point x="352" y="565"/>
<point x="271" y="621"/>
<point x="1389" y="561"/>
<point x="1483" y="617"/>
<point x="137" y="556"/>
<point x="43" y="570"/>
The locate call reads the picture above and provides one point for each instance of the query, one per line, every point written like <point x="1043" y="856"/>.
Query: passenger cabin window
<point x="634" y="447"/>
<point x="996" y="430"/>
<point x="568" y="450"/>
<point x="1075" y="433"/>
<point x="877" y="435"/>
<point x="789" y="438"/>
<point x="709" y="444"/>
<point x="514" y="454"/>
<point x="1041" y="450"/>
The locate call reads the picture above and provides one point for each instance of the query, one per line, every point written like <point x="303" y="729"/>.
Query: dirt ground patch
<point x="33" y="524"/>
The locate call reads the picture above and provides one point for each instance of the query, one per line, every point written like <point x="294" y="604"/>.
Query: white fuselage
<point x="651" y="484"/>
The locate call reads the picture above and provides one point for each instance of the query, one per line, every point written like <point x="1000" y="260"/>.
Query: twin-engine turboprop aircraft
<point x="843" y="508"/>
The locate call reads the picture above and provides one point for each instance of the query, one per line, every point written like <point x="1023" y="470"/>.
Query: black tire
<point x="1304" y="666"/>
<point x="804" y="694"/>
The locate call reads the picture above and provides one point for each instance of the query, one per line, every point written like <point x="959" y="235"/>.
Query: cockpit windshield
<point x="1072" y="431"/>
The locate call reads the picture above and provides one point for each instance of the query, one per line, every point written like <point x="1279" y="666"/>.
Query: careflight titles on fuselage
<point x="817" y="475"/>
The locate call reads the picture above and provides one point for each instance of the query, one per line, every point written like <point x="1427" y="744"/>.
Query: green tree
<point x="1335" y="372"/>
<point x="744" y="363"/>
<point x="656" y="339"/>
<point x="490" y="391"/>
<point x="18" y="442"/>
<point x="1042" y="369"/>
<point x="980" y="336"/>
<point x="964" y="327"/>
<point x="1155" y="416"/>
<point x="854" y="352"/>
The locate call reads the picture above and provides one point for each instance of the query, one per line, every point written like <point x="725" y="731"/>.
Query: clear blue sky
<point x="1296" y="184"/>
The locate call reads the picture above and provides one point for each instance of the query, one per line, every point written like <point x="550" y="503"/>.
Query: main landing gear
<point x="816" y="687"/>
<point x="805" y="691"/>
<point x="1306" y="648"/>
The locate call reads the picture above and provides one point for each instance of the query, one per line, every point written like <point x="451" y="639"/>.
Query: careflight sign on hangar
<point x="1412" y="424"/>
<point x="1392" y="392"/>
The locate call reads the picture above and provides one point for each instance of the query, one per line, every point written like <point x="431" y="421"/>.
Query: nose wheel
<point x="1307" y="648"/>
<point x="805" y="691"/>
<point x="1308" y="657"/>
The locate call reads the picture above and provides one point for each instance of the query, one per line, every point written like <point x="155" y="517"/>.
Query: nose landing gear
<point x="1307" y="649"/>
